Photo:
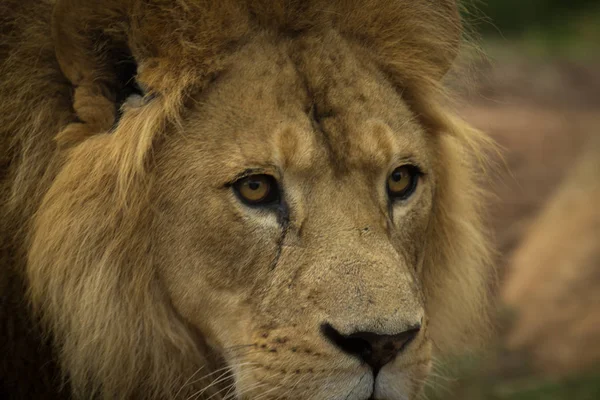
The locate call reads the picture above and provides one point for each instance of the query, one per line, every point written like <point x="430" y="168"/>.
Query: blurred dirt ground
<point x="545" y="114"/>
<point x="542" y="114"/>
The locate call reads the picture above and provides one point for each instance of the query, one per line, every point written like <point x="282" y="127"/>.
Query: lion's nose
<point x="374" y="349"/>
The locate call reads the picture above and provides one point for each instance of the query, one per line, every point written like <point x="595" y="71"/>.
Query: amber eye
<point x="257" y="190"/>
<point x="402" y="182"/>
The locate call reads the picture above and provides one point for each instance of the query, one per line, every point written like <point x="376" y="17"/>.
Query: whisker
<point x="231" y="394"/>
<point x="228" y="368"/>
<point x="332" y="373"/>
<point x="282" y="396"/>
<point x="264" y="394"/>
<point x="260" y="384"/>
<point x="224" y="376"/>
<point x="187" y="382"/>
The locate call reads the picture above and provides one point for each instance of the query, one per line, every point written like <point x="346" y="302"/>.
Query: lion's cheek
<point x="221" y="317"/>
<point x="210" y="268"/>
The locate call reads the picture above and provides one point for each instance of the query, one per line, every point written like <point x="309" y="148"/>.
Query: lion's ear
<point x="168" y="45"/>
<point x="88" y="37"/>
<point x="92" y="47"/>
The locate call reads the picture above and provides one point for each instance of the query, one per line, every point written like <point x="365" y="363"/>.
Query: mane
<point x="115" y="330"/>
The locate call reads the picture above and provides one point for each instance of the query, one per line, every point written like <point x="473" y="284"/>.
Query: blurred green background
<point x="543" y="27"/>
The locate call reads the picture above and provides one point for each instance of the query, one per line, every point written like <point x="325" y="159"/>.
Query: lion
<point x="235" y="199"/>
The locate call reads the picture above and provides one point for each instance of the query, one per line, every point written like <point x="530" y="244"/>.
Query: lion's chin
<point x="356" y="387"/>
<point x="394" y="383"/>
<point x="391" y="383"/>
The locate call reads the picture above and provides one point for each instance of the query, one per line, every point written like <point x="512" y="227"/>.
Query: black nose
<point x="374" y="349"/>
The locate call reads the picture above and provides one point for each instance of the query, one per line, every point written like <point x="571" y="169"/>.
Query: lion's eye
<point x="402" y="182"/>
<point x="257" y="190"/>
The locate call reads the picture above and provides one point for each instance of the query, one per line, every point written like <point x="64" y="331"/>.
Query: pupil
<point x="397" y="176"/>
<point x="254" y="185"/>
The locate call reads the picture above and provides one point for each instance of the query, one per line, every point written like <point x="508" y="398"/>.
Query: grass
<point x="486" y="380"/>
<point x="586" y="387"/>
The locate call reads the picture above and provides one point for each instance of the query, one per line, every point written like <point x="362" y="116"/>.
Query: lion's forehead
<point x="311" y="104"/>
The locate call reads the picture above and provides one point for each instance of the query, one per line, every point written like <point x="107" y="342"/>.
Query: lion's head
<point x="285" y="210"/>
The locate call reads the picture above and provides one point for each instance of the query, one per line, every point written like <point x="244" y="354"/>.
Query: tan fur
<point x="152" y="279"/>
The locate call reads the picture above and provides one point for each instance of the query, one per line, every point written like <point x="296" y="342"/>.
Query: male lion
<point x="234" y="199"/>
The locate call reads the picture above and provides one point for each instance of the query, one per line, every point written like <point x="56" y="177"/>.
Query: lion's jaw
<point x="261" y="285"/>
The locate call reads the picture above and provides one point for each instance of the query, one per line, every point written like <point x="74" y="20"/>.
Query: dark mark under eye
<point x="318" y="115"/>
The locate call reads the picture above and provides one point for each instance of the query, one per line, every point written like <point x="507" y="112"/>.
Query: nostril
<point x="352" y="345"/>
<point x="374" y="349"/>
<point x="403" y="339"/>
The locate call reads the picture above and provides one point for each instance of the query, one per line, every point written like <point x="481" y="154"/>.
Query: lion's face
<point x="290" y="211"/>
<point x="291" y="222"/>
